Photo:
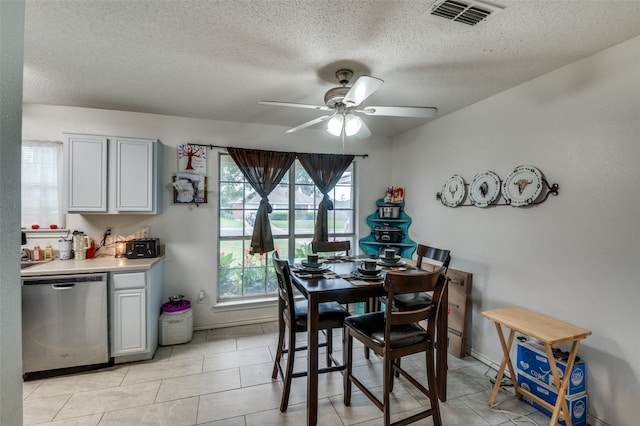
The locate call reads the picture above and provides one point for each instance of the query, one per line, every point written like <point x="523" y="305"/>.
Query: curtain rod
<point x="225" y="147"/>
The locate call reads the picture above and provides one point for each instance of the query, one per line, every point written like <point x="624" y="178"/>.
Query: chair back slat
<point x="330" y="246"/>
<point x="408" y="317"/>
<point x="432" y="253"/>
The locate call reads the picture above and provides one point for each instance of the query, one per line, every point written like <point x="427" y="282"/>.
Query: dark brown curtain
<point x="264" y="170"/>
<point x="325" y="171"/>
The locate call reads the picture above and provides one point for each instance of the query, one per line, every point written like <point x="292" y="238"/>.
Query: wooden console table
<point x="549" y="331"/>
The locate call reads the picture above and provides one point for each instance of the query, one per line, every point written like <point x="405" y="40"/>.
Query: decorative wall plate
<point x="522" y="186"/>
<point x="453" y="191"/>
<point x="484" y="189"/>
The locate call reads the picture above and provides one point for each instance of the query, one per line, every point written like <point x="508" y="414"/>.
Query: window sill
<point x="240" y="305"/>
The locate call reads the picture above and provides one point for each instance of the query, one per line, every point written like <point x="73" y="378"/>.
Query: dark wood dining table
<point x="319" y="287"/>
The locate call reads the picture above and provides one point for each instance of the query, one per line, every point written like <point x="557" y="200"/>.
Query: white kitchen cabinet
<point x="86" y="173"/>
<point x="136" y="300"/>
<point x="110" y="174"/>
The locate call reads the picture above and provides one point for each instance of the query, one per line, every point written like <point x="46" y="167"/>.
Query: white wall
<point x="190" y="233"/>
<point x="574" y="257"/>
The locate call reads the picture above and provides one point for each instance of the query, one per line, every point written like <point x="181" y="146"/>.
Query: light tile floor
<point x="223" y="377"/>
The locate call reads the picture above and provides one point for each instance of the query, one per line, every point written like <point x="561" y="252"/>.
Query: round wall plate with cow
<point x="522" y="186"/>
<point x="484" y="189"/>
<point x="453" y="191"/>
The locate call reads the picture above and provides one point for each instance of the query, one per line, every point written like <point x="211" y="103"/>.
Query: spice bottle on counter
<point x="48" y="252"/>
<point x="36" y="254"/>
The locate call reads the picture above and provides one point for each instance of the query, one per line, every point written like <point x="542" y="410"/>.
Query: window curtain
<point x="41" y="183"/>
<point x="264" y="170"/>
<point x="325" y="170"/>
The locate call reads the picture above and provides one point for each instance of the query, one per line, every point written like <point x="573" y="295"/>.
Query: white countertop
<point x="98" y="264"/>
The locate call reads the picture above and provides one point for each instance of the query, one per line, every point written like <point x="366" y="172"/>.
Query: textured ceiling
<point x="216" y="59"/>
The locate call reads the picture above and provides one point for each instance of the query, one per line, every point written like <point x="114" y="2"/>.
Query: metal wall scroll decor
<point x="524" y="186"/>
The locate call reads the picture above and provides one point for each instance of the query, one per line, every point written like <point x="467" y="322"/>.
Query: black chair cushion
<point x="371" y="326"/>
<point x="330" y="314"/>
<point x="412" y="301"/>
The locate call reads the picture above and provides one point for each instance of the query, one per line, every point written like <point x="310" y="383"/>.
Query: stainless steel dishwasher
<point x="64" y="321"/>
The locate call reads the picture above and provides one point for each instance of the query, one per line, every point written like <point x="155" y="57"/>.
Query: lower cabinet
<point x="136" y="299"/>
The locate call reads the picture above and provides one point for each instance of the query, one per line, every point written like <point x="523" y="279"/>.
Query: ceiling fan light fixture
<point x="334" y="126"/>
<point x="352" y="124"/>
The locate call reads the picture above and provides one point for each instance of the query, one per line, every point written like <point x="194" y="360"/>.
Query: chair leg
<point x="367" y="309"/>
<point x="281" y="330"/>
<point x="386" y="389"/>
<point x="347" y="361"/>
<point x="329" y="346"/>
<point x="291" y="356"/>
<point x="433" y="389"/>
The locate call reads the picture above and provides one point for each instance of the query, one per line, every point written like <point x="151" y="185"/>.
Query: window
<point x="295" y="203"/>
<point x="41" y="184"/>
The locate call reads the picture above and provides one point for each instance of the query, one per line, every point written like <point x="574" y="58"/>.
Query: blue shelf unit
<point x="405" y="248"/>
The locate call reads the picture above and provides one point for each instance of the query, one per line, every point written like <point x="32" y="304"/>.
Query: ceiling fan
<point x="344" y="103"/>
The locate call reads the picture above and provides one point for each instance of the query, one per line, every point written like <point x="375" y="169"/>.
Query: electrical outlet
<point x="145" y="232"/>
<point x="107" y="233"/>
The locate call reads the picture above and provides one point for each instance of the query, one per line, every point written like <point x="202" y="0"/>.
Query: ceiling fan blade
<point x="309" y="123"/>
<point x="295" y="105"/>
<point x="400" y="111"/>
<point x="361" y="90"/>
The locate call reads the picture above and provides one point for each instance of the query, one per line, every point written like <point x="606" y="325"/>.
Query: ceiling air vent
<point x="469" y="13"/>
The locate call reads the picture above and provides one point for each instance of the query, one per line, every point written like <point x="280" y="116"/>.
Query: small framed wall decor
<point x="189" y="188"/>
<point x="192" y="158"/>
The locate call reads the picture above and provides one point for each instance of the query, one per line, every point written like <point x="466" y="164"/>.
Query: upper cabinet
<point x="111" y="174"/>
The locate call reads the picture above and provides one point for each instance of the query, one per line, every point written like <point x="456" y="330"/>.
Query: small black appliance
<point x="143" y="248"/>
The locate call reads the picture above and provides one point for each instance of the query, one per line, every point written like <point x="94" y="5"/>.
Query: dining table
<point x="337" y="282"/>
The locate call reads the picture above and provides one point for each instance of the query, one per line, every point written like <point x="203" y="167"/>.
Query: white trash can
<point x="175" y="327"/>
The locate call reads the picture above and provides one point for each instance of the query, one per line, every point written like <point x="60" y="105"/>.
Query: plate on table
<point x="395" y="258"/>
<point x="336" y="257"/>
<point x="522" y="186"/>
<point x="453" y="191"/>
<point x="369" y="272"/>
<point x="384" y="262"/>
<point x="308" y="264"/>
<point x="320" y="268"/>
<point x="377" y="277"/>
<point x="484" y="189"/>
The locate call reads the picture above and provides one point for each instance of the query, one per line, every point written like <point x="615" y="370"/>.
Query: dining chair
<point x="334" y="247"/>
<point x="392" y="335"/>
<point x="331" y="246"/>
<point x="292" y="317"/>
<point x="435" y="257"/>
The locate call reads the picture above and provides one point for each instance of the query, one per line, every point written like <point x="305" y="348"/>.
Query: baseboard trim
<point x="249" y="321"/>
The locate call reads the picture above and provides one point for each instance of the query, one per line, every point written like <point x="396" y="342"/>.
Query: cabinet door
<point x="87" y="173"/>
<point x="135" y="175"/>
<point x="129" y="322"/>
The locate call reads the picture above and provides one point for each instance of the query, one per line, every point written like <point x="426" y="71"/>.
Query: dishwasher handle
<point x="61" y="287"/>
